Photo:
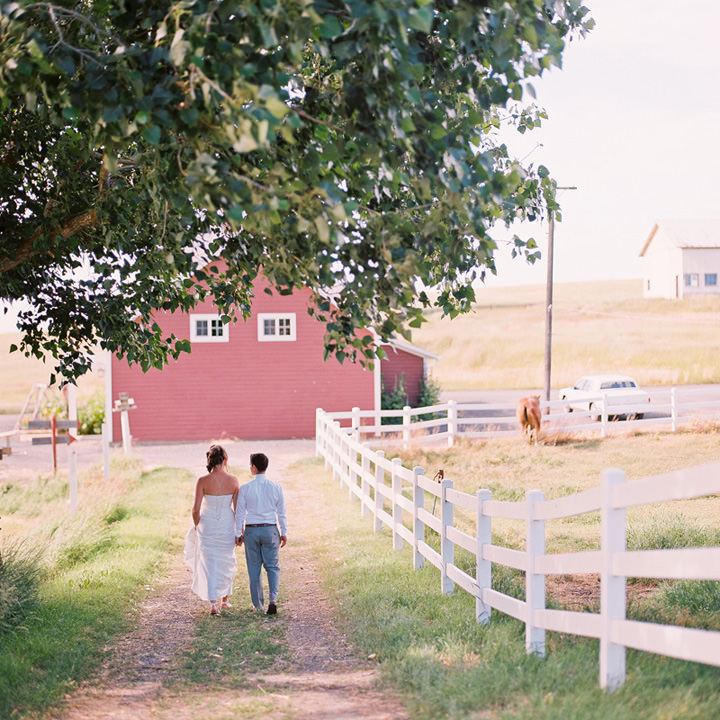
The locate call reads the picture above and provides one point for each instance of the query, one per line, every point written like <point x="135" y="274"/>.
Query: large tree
<point x="349" y="146"/>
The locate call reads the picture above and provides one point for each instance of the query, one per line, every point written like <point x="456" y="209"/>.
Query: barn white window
<point x="711" y="279"/>
<point x="276" y="327"/>
<point x="692" y="279"/>
<point x="208" y="328"/>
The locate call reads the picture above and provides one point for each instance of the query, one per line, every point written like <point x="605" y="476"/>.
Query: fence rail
<point x="397" y="497"/>
<point x="671" y="407"/>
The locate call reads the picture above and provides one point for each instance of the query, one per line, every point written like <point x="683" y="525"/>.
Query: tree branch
<point x="26" y="251"/>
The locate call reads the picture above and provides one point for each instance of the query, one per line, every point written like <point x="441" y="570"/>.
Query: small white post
<point x="406" y="420"/>
<point x="71" y="390"/>
<point x="318" y="432"/>
<point x="365" y="496"/>
<point x="674" y="408"/>
<point x="125" y="426"/>
<point x="452" y="422"/>
<point x="612" y="587"/>
<point x="379" y="482"/>
<point x="106" y="450"/>
<point x="396" y="509"/>
<point x="418" y="524"/>
<point x="534" y="582"/>
<point x="447" y="547"/>
<point x="483" y="568"/>
<point x="604" y="417"/>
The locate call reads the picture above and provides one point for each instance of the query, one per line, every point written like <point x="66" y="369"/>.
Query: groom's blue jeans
<point x="262" y="546"/>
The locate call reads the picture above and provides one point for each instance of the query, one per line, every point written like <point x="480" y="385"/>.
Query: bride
<point x="210" y="544"/>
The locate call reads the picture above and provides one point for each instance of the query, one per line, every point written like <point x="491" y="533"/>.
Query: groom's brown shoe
<point x="272" y="609"/>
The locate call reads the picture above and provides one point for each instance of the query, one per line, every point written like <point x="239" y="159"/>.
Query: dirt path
<point x="322" y="679"/>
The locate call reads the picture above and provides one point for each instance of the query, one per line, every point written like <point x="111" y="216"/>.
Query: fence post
<point x="483" y="568"/>
<point x="674" y="408"/>
<point x="534" y="582"/>
<point x="452" y="422"/>
<point x="418" y="524"/>
<point x="447" y="547"/>
<point x="604" y="417"/>
<point x="318" y="433"/>
<point x="396" y="509"/>
<point x="379" y="478"/>
<point x="612" y="587"/>
<point x="365" y="495"/>
<point x="406" y="420"/>
<point x="352" y="476"/>
<point x="337" y="449"/>
<point x="355" y="420"/>
<point x="72" y="457"/>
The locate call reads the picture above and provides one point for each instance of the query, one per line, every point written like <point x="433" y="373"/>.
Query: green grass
<point x="96" y="564"/>
<point x="597" y="327"/>
<point x="431" y="650"/>
<point x="225" y="651"/>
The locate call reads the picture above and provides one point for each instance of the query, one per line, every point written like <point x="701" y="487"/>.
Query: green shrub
<point x="429" y="395"/>
<point x="91" y="416"/>
<point x="395" y="399"/>
<point x="429" y="392"/>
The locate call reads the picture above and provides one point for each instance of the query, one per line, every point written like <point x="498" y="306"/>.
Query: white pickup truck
<point x="621" y="393"/>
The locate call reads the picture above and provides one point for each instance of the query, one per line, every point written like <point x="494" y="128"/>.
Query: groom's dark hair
<point x="260" y="461"/>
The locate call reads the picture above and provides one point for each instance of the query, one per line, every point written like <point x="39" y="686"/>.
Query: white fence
<point x="670" y="407"/>
<point x="398" y="498"/>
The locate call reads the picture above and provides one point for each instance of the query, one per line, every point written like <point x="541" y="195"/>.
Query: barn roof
<point x="694" y="233"/>
<point x="401" y="345"/>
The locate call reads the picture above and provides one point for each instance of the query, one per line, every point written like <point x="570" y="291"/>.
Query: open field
<point x="597" y="327"/>
<point x="18" y="374"/>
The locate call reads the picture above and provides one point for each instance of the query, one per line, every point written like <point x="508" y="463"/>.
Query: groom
<point x="260" y="509"/>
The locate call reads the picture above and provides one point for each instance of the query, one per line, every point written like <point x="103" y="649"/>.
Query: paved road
<point x="508" y="399"/>
<point x="27" y="458"/>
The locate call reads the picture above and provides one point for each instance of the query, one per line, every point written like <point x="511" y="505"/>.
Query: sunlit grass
<point x="95" y="564"/>
<point x="445" y="665"/>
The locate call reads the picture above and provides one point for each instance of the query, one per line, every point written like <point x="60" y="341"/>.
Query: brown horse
<point x="529" y="418"/>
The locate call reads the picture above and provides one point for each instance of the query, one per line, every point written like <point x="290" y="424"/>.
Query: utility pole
<point x="549" y="297"/>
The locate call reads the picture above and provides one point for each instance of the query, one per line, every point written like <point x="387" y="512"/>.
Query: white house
<point x="681" y="258"/>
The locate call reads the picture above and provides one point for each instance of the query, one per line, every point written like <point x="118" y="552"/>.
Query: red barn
<point x="258" y="379"/>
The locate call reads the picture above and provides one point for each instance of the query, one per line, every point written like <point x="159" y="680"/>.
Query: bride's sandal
<point x="214" y="609"/>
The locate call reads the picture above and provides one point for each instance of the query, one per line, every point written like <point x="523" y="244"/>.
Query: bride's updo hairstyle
<point x="216" y="455"/>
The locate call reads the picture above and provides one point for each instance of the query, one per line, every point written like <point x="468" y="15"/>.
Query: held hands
<point x="239" y="541"/>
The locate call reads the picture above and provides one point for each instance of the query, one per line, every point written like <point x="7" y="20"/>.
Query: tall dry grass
<point x="18" y="374"/>
<point x="597" y="327"/>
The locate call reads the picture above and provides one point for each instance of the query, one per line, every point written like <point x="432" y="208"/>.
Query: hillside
<point x="597" y="327"/>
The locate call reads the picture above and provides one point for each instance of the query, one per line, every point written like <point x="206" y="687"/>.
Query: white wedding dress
<point x="210" y="549"/>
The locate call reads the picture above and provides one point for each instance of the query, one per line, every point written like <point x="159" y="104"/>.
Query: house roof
<point x="396" y="344"/>
<point x="693" y="233"/>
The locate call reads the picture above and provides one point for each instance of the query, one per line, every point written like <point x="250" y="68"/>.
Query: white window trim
<point x="194" y="337"/>
<point x="262" y="337"/>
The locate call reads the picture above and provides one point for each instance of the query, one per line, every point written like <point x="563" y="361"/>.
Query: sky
<point x="634" y="123"/>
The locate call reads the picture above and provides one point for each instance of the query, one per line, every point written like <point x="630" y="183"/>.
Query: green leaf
<point x="421" y="18"/>
<point x="152" y="135"/>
